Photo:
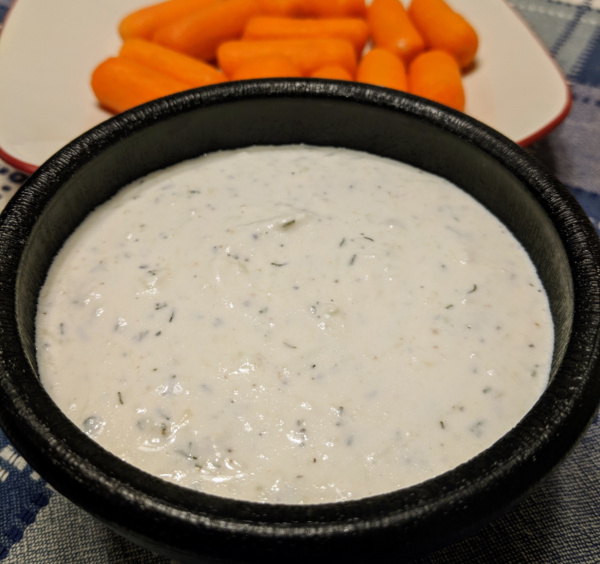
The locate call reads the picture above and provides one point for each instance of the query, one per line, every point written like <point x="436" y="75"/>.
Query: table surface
<point x="558" y="523"/>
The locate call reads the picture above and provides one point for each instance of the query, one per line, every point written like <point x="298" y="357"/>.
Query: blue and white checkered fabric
<point x="558" y="524"/>
<point x="4" y="5"/>
<point x="571" y="32"/>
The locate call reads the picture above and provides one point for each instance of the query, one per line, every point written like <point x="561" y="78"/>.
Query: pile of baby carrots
<point x="176" y="45"/>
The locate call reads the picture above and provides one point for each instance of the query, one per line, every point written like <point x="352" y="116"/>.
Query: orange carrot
<point x="392" y="29"/>
<point x="286" y="8"/>
<point x="268" y="66"/>
<point x="200" y="33"/>
<point x="144" y="22"/>
<point x="335" y="8"/>
<point x="120" y="84"/>
<point x="443" y="28"/>
<point x="382" y="68"/>
<point x="354" y="30"/>
<point x="334" y="72"/>
<point x="182" y="67"/>
<point x="307" y="54"/>
<point x="436" y="75"/>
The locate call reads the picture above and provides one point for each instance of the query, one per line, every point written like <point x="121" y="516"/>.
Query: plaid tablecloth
<point x="558" y="523"/>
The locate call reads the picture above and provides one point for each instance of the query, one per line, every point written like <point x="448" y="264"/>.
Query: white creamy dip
<point x="294" y="325"/>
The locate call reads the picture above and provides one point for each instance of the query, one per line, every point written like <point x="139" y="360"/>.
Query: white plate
<point x="48" y="50"/>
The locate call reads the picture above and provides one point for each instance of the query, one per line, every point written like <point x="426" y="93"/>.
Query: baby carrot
<point x="269" y="66"/>
<point x="392" y="29"/>
<point x="382" y="68"/>
<point x="178" y="65"/>
<point x="285" y="8"/>
<point x="200" y="33"/>
<point x="335" y="8"/>
<point x="436" y="75"/>
<point x="443" y="28"/>
<point x="332" y="72"/>
<point x="307" y="54"/>
<point x="354" y="30"/>
<point x="144" y="22"/>
<point x="120" y="84"/>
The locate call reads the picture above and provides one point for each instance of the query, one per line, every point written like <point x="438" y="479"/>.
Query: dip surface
<point x="294" y="325"/>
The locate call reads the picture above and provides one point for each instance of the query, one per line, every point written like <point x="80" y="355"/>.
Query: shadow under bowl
<point x="190" y="526"/>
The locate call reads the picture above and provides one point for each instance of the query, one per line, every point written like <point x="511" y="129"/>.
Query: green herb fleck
<point x="187" y="455"/>
<point x="141" y="335"/>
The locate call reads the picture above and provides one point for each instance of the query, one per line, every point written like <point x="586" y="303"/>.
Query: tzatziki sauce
<point x="293" y="325"/>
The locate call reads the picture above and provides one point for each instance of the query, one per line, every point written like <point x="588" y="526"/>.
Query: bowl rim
<point x="455" y="494"/>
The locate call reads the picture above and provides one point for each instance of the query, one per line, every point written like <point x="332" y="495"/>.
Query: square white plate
<point x="48" y="50"/>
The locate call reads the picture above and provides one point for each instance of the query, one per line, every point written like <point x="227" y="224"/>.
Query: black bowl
<point x="188" y="525"/>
